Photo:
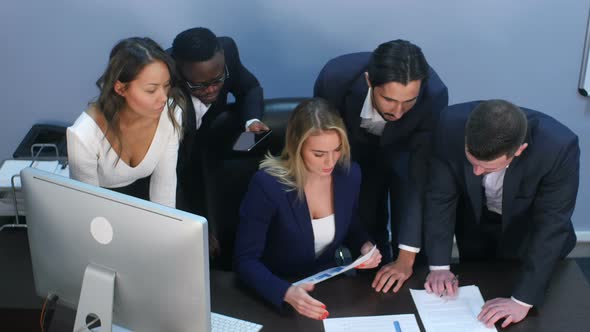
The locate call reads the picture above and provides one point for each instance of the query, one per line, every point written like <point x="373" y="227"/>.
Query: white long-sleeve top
<point x="93" y="161"/>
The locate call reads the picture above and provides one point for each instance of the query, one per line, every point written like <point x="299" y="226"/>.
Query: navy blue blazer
<point x="275" y="236"/>
<point x="539" y="195"/>
<point x="342" y="82"/>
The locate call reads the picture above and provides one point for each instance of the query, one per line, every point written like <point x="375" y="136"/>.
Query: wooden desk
<point x="567" y="305"/>
<point x="566" y="308"/>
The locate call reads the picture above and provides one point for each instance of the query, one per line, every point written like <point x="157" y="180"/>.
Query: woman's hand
<point x="300" y="300"/>
<point x="375" y="258"/>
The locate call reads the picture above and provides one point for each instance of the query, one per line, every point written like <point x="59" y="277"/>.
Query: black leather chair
<point x="227" y="183"/>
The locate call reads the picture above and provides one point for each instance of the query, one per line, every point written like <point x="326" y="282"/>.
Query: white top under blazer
<point x="324" y="230"/>
<point x="92" y="160"/>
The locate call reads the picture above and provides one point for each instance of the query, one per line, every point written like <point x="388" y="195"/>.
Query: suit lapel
<point x="340" y="216"/>
<point x="303" y="219"/>
<point x="353" y="104"/>
<point x="190" y="117"/>
<point x="474" y="189"/>
<point x="340" y="203"/>
<point x="510" y="187"/>
<point x="514" y="175"/>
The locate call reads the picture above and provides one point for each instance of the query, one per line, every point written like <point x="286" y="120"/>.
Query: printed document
<point x="459" y="313"/>
<point x="407" y="323"/>
<point x="331" y="272"/>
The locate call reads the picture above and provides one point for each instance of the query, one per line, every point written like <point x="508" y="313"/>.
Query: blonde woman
<point x="299" y="208"/>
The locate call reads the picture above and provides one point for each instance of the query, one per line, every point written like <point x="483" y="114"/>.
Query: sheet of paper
<point x="442" y="314"/>
<point x="13" y="167"/>
<point x="407" y="323"/>
<point x="331" y="272"/>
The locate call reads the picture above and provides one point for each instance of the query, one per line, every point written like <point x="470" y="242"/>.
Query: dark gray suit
<point x="539" y="195"/>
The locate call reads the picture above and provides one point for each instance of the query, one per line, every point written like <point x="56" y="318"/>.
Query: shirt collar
<point x="368" y="111"/>
<point x="197" y="103"/>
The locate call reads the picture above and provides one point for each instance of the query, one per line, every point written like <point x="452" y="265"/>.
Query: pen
<point x="397" y="327"/>
<point x="455" y="279"/>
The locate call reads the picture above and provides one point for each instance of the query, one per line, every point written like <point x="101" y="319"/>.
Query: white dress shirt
<point x="201" y="109"/>
<point x="371" y="120"/>
<point x="493" y="184"/>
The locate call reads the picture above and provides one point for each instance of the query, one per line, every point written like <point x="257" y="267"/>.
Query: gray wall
<point x="526" y="51"/>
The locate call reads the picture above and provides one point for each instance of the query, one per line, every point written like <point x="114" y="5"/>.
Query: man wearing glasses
<point x="390" y="100"/>
<point x="210" y="68"/>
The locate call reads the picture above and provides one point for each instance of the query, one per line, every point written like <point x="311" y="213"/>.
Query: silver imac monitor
<point x="134" y="263"/>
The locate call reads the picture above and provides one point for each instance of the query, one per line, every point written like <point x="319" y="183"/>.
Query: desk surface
<point x="566" y="307"/>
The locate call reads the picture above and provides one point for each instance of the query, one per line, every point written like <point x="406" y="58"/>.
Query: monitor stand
<point x="96" y="298"/>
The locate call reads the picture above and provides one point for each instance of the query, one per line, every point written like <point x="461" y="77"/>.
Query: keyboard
<point x="222" y="323"/>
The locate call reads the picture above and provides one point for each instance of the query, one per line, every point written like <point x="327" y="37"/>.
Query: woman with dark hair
<point x="299" y="209"/>
<point x="127" y="140"/>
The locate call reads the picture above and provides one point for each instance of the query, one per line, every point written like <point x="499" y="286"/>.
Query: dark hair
<point x="196" y="44"/>
<point x="127" y="59"/>
<point x="495" y="128"/>
<point x="397" y="61"/>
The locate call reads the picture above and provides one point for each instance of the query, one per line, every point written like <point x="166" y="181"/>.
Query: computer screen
<point x="148" y="260"/>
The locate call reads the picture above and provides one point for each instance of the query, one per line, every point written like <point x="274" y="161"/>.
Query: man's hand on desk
<point x="395" y="273"/>
<point x="257" y="127"/>
<point x="441" y="282"/>
<point x="303" y="303"/>
<point x="498" y="308"/>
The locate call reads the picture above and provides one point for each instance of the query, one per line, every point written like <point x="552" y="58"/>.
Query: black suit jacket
<point x="539" y="194"/>
<point x="342" y="82"/>
<point x="242" y="84"/>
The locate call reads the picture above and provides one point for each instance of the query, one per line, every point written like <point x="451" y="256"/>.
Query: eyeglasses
<point x="205" y="85"/>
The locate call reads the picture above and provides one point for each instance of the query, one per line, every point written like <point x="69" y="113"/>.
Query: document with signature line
<point x="445" y="314"/>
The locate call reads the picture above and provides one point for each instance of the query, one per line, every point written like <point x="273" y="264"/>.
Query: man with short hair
<point x="210" y="68"/>
<point x="504" y="182"/>
<point x="390" y="100"/>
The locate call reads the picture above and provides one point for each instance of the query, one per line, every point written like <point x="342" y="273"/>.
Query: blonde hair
<point x="311" y="117"/>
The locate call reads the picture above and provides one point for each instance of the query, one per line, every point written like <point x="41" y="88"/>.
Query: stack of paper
<point x="442" y="314"/>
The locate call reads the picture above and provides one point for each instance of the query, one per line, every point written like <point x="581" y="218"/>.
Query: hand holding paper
<point x="329" y="273"/>
<point x="373" y="260"/>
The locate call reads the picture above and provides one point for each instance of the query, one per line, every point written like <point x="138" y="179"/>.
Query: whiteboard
<point x="584" y="83"/>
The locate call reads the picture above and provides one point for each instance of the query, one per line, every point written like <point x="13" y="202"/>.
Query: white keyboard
<point x="222" y="323"/>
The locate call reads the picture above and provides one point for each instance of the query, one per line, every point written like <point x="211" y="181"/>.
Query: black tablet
<point x="248" y="140"/>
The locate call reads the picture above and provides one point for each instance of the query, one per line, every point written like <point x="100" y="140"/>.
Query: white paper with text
<point x="446" y="314"/>
<point x="331" y="272"/>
